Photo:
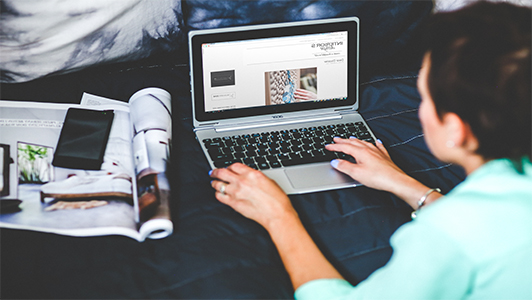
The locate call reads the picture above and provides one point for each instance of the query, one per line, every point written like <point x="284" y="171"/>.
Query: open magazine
<point x="128" y="195"/>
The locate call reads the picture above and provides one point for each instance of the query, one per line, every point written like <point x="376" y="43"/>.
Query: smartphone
<point x="83" y="139"/>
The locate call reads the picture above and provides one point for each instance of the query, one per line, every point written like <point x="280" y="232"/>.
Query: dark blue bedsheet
<point x="214" y="252"/>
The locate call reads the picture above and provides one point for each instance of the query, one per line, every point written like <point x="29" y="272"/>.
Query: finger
<point x="351" y="140"/>
<point x="348" y="148"/>
<point x="344" y="167"/>
<point x="221" y="187"/>
<point x="381" y="147"/>
<point x="224" y="174"/>
<point x="356" y="142"/>
<point x="216" y="184"/>
<point x="239" y="168"/>
<point x="227" y="199"/>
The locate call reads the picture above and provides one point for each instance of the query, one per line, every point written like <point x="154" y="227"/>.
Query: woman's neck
<point x="471" y="162"/>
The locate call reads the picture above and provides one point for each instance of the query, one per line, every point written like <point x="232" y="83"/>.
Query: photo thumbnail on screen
<point x="223" y="78"/>
<point x="291" y="86"/>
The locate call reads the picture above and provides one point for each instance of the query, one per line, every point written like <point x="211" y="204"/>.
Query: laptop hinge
<point x="345" y="110"/>
<point x="208" y="126"/>
<point x="245" y="126"/>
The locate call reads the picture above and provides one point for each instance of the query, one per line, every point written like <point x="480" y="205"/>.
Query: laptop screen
<point x="246" y="72"/>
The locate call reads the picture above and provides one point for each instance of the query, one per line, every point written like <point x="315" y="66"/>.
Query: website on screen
<point x="275" y="71"/>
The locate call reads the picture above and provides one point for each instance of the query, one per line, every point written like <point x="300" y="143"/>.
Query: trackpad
<point x="317" y="175"/>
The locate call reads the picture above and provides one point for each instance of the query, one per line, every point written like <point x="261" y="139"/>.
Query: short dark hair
<point x="481" y="70"/>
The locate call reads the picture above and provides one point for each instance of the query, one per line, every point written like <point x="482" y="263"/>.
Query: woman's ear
<point x="459" y="133"/>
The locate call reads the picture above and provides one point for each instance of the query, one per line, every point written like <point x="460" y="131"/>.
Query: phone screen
<point x="83" y="139"/>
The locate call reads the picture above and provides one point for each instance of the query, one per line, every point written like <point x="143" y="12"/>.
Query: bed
<point x="215" y="253"/>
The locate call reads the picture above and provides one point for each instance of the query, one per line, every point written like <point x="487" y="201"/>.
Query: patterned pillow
<point x="47" y="36"/>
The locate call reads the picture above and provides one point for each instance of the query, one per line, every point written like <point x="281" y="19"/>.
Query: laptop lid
<point x="234" y="70"/>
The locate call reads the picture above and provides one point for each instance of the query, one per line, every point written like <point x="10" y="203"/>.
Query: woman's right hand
<point x="252" y="194"/>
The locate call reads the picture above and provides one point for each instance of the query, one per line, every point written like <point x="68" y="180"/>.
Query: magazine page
<point x="151" y="119"/>
<point x="48" y="197"/>
<point x="151" y="116"/>
<point x="102" y="103"/>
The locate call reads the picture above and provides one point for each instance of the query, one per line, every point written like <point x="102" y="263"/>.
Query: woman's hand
<point x="374" y="168"/>
<point x="257" y="197"/>
<point x="252" y="194"/>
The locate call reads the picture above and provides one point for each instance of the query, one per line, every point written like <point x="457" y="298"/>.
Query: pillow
<point x="46" y="36"/>
<point x="386" y="27"/>
<point x="448" y="5"/>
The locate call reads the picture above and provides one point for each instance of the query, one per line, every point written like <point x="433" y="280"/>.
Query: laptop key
<point x="263" y="166"/>
<point x="224" y="163"/>
<point x="238" y="149"/>
<point x="250" y="153"/>
<point x="295" y="161"/>
<point x="260" y="159"/>
<point x="263" y="146"/>
<point x="226" y="150"/>
<point x="213" y="152"/>
<point x="363" y="135"/>
<point x="305" y="154"/>
<point x="283" y="156"/>
<point x="211" y="144"/>
<point x="248" y="161"/>
<point x="275" y="151"/>
<point x="285" y="149"/>
<point x="275" y="164"/>
<point x="224" y="157"/>
<point x="240" y="155"/>
<point x="240" y="141"/>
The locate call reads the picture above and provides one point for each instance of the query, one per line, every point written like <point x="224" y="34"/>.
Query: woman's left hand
<point x="374" y="167"/>
<point x="252" y="194"/>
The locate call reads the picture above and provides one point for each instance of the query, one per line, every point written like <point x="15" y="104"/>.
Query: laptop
<point x="271" y="96"/>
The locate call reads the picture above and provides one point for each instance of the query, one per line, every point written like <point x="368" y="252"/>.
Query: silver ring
<point x="222" y="189"/>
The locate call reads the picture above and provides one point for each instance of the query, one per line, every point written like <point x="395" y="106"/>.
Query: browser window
<point x="275" y="71"/>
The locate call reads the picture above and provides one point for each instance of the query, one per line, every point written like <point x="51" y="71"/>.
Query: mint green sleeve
<point x="426" y="264"/>
<point x="324" y="289"/>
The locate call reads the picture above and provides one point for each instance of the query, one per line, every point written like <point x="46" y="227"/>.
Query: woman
<point x="476" y="242"/>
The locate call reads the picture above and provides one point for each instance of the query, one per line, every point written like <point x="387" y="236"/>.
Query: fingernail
<point x="379" y="141"/>
<point x="334" y="163"/>
<point x="352" y="137"/>
<point x="336" y="137"/>
<point x="210" y="172"/>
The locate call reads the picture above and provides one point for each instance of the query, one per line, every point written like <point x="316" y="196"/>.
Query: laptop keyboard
<point x="283" y="148"/>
